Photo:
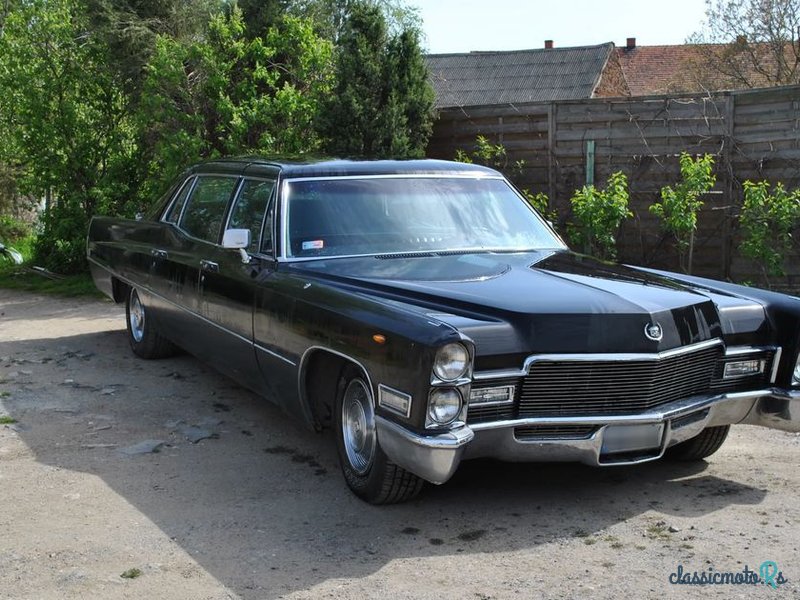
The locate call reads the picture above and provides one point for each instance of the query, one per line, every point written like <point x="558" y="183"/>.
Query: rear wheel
<point x="144" y="338"/>
<point x="367" y="470"/>
<point x="699" y="447"/>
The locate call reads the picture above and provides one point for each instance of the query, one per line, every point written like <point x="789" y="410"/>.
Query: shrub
<point x="598" y="214"/>
<point x="767" y="220"/>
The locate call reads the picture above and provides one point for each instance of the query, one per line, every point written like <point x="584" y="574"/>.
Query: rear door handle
<point x="158" y="253"/>
<point x="207" y="265"/>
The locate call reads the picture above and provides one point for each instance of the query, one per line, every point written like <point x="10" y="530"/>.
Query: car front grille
<point x="560" y="388"/>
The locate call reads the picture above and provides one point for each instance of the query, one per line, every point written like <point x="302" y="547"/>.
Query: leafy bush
<point x="599" y="214"/>
<point x="13" y="230"/>
<point x="679" y="205"/>
<point x="767" y="220"/>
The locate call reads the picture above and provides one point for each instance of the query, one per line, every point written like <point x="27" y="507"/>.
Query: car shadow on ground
<point x="261" y="505"/>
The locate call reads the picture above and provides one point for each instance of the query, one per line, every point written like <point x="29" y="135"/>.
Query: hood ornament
<point x="653" y="331"/>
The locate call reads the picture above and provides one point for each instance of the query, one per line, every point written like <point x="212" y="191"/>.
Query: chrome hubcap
<point x="358" y="426"/>
<point x="136" y="317"/>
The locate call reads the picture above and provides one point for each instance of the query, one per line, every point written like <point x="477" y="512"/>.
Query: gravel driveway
<point x="194" y="488"/>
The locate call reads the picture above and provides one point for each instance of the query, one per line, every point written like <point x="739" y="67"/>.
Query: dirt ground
<point x="258" y="509"/>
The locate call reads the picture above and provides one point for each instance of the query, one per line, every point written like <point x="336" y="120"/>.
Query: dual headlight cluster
<point x="445" y="402"/>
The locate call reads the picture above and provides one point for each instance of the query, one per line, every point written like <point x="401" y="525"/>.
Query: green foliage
<point x="489" y="155"/>
<point x="598" y="214"/>
<point x="679" y="205"/>
<point x="12" y="230"/>
<point x="63" y="116"/>
<point x="767" y="220"/>
<point x="230" y="95"/>
<point x="382" y="103"/>
<point x="103" y="102"/>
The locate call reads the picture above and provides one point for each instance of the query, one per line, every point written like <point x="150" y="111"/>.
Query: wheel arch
<point x="318" y="377"/>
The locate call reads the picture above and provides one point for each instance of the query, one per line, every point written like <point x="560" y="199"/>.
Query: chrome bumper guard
<point x="436" y="457"/>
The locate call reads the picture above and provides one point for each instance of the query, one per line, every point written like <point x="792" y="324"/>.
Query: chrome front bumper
<point x="436" y="457"/>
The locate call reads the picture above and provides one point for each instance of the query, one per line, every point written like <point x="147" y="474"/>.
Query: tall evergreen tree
<point x="382" y="105"/>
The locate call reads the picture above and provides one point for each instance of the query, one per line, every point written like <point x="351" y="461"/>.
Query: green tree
<point x="598" y="214"/>
<point x="382" y="104"/>
<point x="767" y="221"/>
<point x="129" y="29"/>
<point x="679" y="205"/>
<point x="229" y="94"/>
<point x="64" y="120"/>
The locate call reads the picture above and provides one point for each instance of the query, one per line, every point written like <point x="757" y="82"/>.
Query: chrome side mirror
<point x="237" y="239"/>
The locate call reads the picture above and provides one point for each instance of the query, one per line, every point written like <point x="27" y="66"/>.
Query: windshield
<point x="391" y="215"/>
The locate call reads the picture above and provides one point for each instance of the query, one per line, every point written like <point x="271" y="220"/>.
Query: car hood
<point x="545" y="301"/>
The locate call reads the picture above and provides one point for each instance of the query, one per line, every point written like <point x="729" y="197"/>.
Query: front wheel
<point x="701" y="446"/>
<point x="144" y="338"/>
<point x="367" y="470"/>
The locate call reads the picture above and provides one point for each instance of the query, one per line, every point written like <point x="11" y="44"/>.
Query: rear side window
<point x="248" y="212"/>
<point x="205" y="209"/>
<point x="177" y="206"/>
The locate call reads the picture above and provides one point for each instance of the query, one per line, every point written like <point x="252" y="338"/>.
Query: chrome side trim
<point x="192" y="313"/>
<point x="275" y="354"/>
<point x="655" y="356"/>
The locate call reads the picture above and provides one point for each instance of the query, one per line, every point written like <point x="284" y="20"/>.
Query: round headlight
<point x="444" y="406"/>
<point x="451" y="362"/>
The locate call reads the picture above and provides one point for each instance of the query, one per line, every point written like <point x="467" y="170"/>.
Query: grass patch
<point x="589" y="541"/>
<point x="5" y="393"/>
<point x="658" y="532"/>
<point x="131" y="573"/>
<point x="21" y="278"/>
<point x="6" y="420"/>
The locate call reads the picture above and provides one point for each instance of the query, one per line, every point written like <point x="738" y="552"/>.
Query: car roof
<point x="255" y="165"/>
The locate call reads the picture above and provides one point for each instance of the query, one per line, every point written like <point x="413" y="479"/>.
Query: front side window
<point x="387" y="215"/>
<point x="248" y="213"/>
<point x="205" y="209"/>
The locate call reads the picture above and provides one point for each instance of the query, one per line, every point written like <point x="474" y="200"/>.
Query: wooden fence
<point x="752" y="134"/>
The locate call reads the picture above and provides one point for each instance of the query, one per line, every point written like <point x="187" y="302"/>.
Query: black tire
<point x="367" y="470"/>
<point x="699" y="447"/>
<point x="143" y="336"/>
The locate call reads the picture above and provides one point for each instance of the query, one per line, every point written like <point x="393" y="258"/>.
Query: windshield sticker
<point x="313" y="245"/>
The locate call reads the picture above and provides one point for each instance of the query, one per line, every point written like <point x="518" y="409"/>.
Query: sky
<point x="466" y="25"/>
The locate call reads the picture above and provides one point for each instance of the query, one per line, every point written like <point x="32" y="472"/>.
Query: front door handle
<point x="207" y="265"/>
<point x="158" y="253"/>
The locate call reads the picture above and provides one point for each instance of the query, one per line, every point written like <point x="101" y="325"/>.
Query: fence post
<point x="727" y="170"/>
<point x="551" y="159"/>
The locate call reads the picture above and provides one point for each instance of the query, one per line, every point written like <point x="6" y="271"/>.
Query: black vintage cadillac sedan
<point x="428" y="315"/>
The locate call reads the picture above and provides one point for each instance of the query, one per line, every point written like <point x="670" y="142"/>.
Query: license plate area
<point x="632" y="438"/>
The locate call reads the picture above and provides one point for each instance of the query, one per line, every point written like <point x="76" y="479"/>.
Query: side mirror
<point x="237" y="239"/>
